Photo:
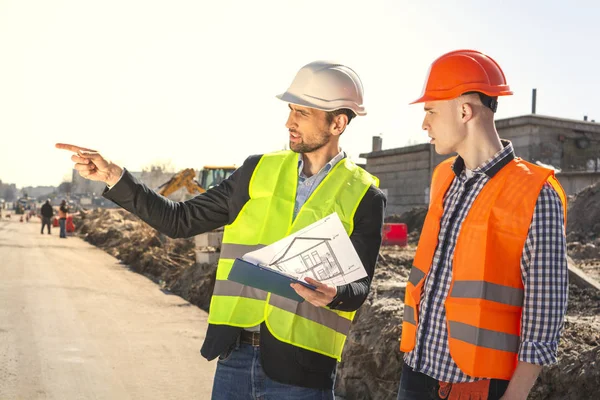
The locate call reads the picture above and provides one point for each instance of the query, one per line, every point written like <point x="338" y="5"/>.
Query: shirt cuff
<point x="538" y="353"/>
<point x="108" y="187"/>
<point x="341" y="295"/>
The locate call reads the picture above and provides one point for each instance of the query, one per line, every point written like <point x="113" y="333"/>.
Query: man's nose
<point x="290" y="122"/>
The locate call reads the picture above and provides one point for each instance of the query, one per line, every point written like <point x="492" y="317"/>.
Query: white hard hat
<point x="326" y="86"/>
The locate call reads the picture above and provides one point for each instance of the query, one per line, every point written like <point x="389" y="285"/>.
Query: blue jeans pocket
<point x="226" y="355"/>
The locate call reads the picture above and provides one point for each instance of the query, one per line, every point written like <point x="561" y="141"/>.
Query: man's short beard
<point x="310" y="147"/>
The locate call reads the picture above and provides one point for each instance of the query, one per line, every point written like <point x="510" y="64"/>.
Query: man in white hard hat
<point x="269" y="346"/>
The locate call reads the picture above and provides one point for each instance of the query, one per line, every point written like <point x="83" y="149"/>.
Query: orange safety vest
<point x="485" y="300"/>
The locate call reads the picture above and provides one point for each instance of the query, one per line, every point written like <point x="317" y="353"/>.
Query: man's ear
<point x="466" y="112"/>
<point x="339" y="124"/>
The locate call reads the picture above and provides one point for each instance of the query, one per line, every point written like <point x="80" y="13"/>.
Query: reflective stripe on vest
<point x="233" y="251"/>
<point x="484" y="337"/>
<point x="484" y="304"/>
<point x="488" y="291"/>
<point x="268" y="217"/>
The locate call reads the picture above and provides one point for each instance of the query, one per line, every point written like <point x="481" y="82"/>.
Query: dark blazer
<point x="220" y="206"/>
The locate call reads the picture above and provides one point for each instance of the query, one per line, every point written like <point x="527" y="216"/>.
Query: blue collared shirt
<point x="306" y="185"/>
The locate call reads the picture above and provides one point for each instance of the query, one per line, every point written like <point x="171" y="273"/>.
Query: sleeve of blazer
<point x="216" y="207"/>
<point x="366" y="238"/>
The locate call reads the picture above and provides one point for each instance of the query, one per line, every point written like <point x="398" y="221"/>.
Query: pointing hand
<point x="91" y="165"/>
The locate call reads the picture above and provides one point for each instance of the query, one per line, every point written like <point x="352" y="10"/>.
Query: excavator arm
<point x="210" y="176"/>
<point x="185" y="178"/>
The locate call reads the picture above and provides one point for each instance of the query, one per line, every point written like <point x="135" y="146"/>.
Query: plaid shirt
<point x="543" y="270"/>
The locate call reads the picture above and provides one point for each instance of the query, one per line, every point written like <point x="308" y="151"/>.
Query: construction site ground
<point x="75" y="323"/>
<point x="371" y="362"/>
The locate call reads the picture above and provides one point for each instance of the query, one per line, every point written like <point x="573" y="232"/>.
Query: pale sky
<point x="194" y="82"/>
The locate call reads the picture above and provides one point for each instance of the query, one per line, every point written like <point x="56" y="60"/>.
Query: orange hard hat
<point x="460" y="72"/>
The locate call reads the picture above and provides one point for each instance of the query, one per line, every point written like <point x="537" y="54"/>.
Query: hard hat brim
<point x="459" y="90"/>
<point x="446" y="96"/>
<point x="320" y="104"/>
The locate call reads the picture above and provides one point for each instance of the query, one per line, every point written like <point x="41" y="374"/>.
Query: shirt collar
<point x="491" y="166"/>
<point x="326" y="168"/>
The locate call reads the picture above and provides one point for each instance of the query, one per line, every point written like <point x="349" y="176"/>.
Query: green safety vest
<point x="268" y="217"/>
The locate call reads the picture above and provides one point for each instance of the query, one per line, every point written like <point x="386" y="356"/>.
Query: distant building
<point x="8" y="191"/>
<point x="38" y="191"/>
<point x="571" y="146"/>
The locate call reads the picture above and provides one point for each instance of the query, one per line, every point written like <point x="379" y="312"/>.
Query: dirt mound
<point x="583" y="219"/>
<point x="371" y="363"/>
<point x="577" y="374"/>
<point x="583" y="231"/>
<point x="585" y="251"/>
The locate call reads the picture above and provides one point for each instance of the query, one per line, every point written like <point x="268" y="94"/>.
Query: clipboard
<point x="266" y="279"/>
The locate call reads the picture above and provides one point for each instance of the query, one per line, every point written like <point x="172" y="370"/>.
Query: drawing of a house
<point x="312" y="257"/>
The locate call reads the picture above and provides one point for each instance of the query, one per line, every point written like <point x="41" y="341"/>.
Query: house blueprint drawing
<point x="322" y="251"/>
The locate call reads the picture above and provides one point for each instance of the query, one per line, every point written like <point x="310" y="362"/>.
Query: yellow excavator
<point x="209" y="176"/>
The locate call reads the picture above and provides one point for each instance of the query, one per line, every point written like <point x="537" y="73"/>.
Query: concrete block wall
<point x="557" y="146"/>
<point x="404" y="177"/>
<point x="574" y="182"/>
<point x="572" y="146"/>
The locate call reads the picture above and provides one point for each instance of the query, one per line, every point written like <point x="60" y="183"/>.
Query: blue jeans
<point x="240" y="375"/>
<point x="63" y="230"/>
<point x="418" y="386"/>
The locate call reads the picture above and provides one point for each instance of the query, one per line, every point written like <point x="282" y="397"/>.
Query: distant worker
<point x="487" y="293"/>
<point x="47" y="214"/>
<point x="267" y="345"/>
<point x="63" y="213"/>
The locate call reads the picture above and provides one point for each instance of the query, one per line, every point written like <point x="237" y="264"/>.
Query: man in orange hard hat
<point x="487" y="294"/>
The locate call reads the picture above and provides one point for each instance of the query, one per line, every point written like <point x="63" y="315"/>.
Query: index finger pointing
<point x="71" y="147"/>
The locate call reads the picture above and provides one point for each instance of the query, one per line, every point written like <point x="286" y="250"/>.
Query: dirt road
<point x="76" y="324"/>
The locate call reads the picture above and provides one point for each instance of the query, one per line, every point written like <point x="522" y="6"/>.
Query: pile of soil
<point x="583" y="230"/>
<point x="371" y="362"/>
<point x="583" y="221"/>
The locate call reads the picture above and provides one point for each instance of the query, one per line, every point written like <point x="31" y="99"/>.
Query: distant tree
<point x="10" y="194"/>
<point x="159" y="166"/>
<point x="65" y="187"/>
<point x="156" y="174"/>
